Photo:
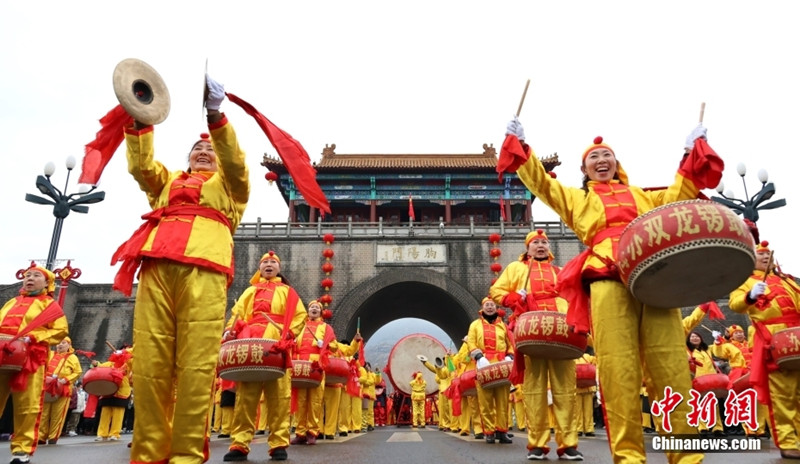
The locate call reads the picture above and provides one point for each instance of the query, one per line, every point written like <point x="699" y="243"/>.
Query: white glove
<point x="62" y="381"/>
<point x="696" y="133"/>
<point x="509" y="358"/>
<point x="55" y="376"/>
<point x="319" y="343"/>
<point x="483" y="362"/>
<point x="523" y="293"/>
<point x="26" y="339"/>
<point x="715" y="334"/>
<point x="514" y="127"/>
<point x="758" y="290"/>
<point x="216" y="93"/>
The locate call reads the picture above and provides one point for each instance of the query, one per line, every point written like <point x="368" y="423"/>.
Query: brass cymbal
<point x="141" y="91"/>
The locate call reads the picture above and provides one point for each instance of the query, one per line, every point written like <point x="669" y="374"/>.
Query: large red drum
<point x="305" y="374"/>
<point x="468" y="387"/>
<point x="546" y="335"/>
<point x="698" y="241"/>
<point x="785" y="349"/>
<point x="742" y="383"/>
<point x="249" y="360"/>
<point x="494" y="375"/>
<point x="403" y="362"/>
<point x="101" y="381"/>
<point x="13" y="354"/>
<point x="337" y="371"/>
<point x="716" y="383"/>
<point x="585" y="375"/>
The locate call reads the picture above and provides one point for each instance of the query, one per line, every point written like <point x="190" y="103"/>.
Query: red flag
<point x="512" y="156"/>
<point x="410" y="208"/>
<point x="292" y="154"/>
<point x="702" y="166"/>
<point x="361" y="358"/>
<point x="502" y="209"/>
<point x="98" y="152"/>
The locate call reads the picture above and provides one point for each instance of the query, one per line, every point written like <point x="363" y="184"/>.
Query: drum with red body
<point x="13" y="354"/>
<point x="102" y="381"/>
<point x="403" y="362"/>
<point x="467" y="383"/>
<point x="742" y="383"/>
<point x="716" y="383"/>
<point x="494" y="375"/>
<point x="337" y="371"/>
<point x="306" y="374"/>
<point x="785" y="349"/>
<point x="546" y="335"/>
<point x="697" y="241"/>
<point x="49" y="388"/>
<point x="249" y="360"/>
<point x="585" y="375"/>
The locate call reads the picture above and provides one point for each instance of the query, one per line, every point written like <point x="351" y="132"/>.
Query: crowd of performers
<point x="183" y="254"/>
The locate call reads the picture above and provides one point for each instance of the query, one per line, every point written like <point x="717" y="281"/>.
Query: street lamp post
<point x="62" y="203"/>
<point x="749" y="208"/>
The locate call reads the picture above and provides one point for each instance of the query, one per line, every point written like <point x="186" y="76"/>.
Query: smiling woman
<point x="202" y="156"/>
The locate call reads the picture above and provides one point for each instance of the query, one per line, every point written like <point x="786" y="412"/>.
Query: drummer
<point x="64" y="369"/>
<point x="467" y="411"/>
<point x="701" y="363"/>
<point x="315" y="343"/>
<point x="269" y="309"/>
<point x="529" y="284"/>
<point x="771" y="298"/>
<point x="334" y="395"/>
<point x="489" y="343"/>
<point x="418" y="386"/>
<point x="36" y="320"/>
<point x="443" y="380"/>
<point x="113" y="408"/>
<point x="629" y="336"/>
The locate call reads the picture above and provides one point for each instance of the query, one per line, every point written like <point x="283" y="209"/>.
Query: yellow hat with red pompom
<point x="762" y="246"/>
<point x="598" y="143"/>
<point x="535" y="234"/>
<point x="734" y="328"/>
<point x="268" y="255"/>
<point x="204" y="137"/>
<point x="48" y="275"/>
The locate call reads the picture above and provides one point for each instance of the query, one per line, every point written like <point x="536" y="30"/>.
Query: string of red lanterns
<point x="327" y="282"/>
<point x="495" y="253"/>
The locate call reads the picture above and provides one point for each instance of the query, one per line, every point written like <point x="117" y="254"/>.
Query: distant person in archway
<point x="418" y="386"/>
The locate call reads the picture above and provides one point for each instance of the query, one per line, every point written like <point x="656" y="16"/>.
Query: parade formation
<point x="553" y="351"/>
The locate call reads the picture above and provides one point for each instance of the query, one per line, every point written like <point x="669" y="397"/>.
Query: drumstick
<point x="702" y="111"/>
<point x="522" y="100"/>
<point x="312" y="333"/>
<point x="769" y="265"/>
<point x="110" y="345"/>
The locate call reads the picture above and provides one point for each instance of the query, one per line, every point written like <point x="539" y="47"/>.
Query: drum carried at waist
<point x="13" y="354"/>
<point x="467" y="382"/>
<point x="785" y="348"/>
<point x="715" y="383"/>
<point x="337" y="371"/>
<point x="742" y="383"/>
<point x="305" y="374"/>
<point x="102" y="381"/>
<point x="494" y="375"/>
<point x="546" y="335"/>
<point x="249" y="360"/>
<point x="585" y="375"/>
<point x="697" y="241"/>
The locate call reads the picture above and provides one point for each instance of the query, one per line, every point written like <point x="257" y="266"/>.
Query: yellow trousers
<point x="52" y="421"/>
<point x="762" y="413"/>
<point x="470" y="415"/>
<point x="344" y="412"/>
<point x="27" y="410"/>
<point x="445" y="412"/>
<point x="519" y="413"/>
<point x="584" y="412"/>
<point x="110" y="423"/>
<point x="368" y="413"/>
<point x="784" y="394"/>
<point x="355" y="414"/>
<point x="177" y="322"/>
<point x="418" y="413"/>
<point x="309" y="409"/>
<point x="278" y="394"/>
<point x="560" y="375"/>
<point x="629" y="337"/>
<point x="263" y="413"/>
<point x="330" y="406"/>
<point x="493" y="405"/>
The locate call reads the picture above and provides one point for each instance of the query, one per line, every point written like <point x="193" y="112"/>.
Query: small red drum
<point x="403" y="362"/>
<point x="742" y="383"/>
<point x="12" y="355"/>
<point x="546" y="335"/>
<point x="338" y="371"/>
<point x="585" y="375"/>
<point x="494" y="375"/>
<point x="785" y="349"/>
<point x="716" y="383"/>
<point x="101" y="381"/>
<point x="468" y="383"/>
<point x="697" y="241"/>
<point x="48" y="387"/>
<point x="305" y="375"/>
<point x="249" y="360"/>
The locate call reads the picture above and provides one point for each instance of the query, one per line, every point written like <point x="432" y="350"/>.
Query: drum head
<point x="403" y="362"/>
<point x="141" y="91"/>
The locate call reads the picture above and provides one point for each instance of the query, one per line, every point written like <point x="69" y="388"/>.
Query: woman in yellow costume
<point x="418" y="386"/>
<point x="64" y="370"/>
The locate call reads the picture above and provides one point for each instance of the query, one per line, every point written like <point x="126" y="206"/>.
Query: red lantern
<point x="327" y="314"/>
<point x="327" y="268"/>
<point x="495" y="252"/>
<point x="494" y="238"/>
<point x="325" y="299"/>
<point x="327" y="238"/>
<point x="501" y="313"/>
<point x="327" y="283"/>
<point x="327" y="253"/>
<point x="271" y="177"/>
<point x="496" y="267"/>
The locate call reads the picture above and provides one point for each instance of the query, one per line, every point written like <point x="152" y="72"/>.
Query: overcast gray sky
<point x="397" y="77"/>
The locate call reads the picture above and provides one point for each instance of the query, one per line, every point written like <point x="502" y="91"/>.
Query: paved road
<point x="386" y="445"/>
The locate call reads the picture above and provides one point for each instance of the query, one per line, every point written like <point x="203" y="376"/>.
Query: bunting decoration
<point x="327" y="282"/>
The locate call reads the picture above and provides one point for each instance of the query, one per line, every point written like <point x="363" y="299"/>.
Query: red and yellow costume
<point x="776" y="310"/>
<point x="64" y="369"/>
<point x="368" y="380"/>
<point x="185" y="249"/>
<point x="110" y="424"/>
<point x="629" y="336"/>
<point x="443" y="380"/>
<point x="584" y="400"/>
<point x="332" y="400"/>
<point x="39" y="317"/>
<point x="467" y="409"/>
<point x="541" y="295"/>
<point x="273" y="310"/>
<point x="418" y="386"/>
<point x="703" y="364"/>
